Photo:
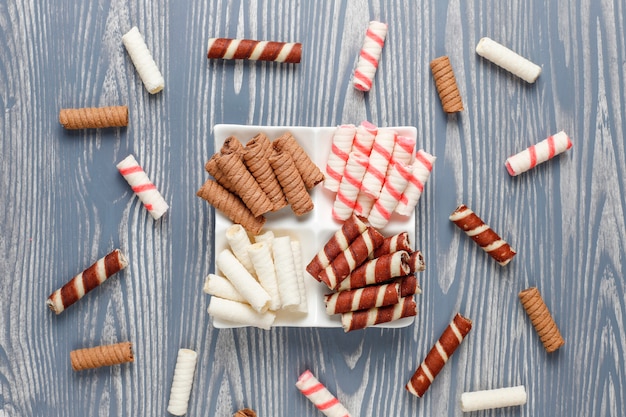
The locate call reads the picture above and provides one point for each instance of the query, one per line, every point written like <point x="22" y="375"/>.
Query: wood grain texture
<point x="64" y="205"/>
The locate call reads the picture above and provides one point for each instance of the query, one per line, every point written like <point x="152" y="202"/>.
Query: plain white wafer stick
<point x="239" y="241"/>
<point x="142" y="186"/>
<point x="239" y="313"/>
<point x="507" y="59"/>
<point x="296" y="249"/>
<point x="241" y="279"/>
<point x="286" y="272"/>
<point x="183" y="381"/>
<point x="143" y="61"/>
<point x="493" y="398"/>
<point x="261" y="258"/>
<point x="222" y="287"/>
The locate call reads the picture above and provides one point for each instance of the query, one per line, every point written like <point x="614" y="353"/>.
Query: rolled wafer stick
<point x="355" y="320"/>
<point x="219" y="176"/>
<point x="446" y="84"/>
<point x="509" y="60"/>
<point x="183" y="381"/>
<point x="94" y="117"/>
<point x="245" y="412"/>
<point x="422" y="167"/>
<point x="241" y="279"/>
<point x="141" y="185"/>
<point x="310" y="173"/>
<point x="395" y="185"/>
<point x="98" y="356"/>
<point x="291" y="182"/>
<point x="376" y="271"/>
<point x="86" y="281"/>
<point x="267" y="237"/>
<point x="402" y="151"/>
<point x="362" y="298"/>
<point x="232" y="145"/>
<point x="256" y="157"/>
<point x="408" y="285"/>
<point x="319" y="395"/>
<point x="340" y="149"/>
<point x="393" y="244"/>
<point x="380" y="156"/>
<point x="296" y="249"/>
<point x="370" y="55"/>
<point x="240" y="313"/>
<point x="260" y="254"/>
<point x="364" y="138"/>
<point x="346" y="198"/>
<point x="231" y="206"/>
<point x="416" y="262"/>
<point x="542" y="320"/>
<point x="285" y="267"/>
<point x="363" y="205"/>
<point x="538" y="153"/>
<point x="223" y="48"/>
<point x="239" y="241"/>
<point x="482" y="234"/>
<point x="493" y="398"/>
<point x="221" y="287"/>
<point x="449" y="341"/>
<point x="143" y="61"/>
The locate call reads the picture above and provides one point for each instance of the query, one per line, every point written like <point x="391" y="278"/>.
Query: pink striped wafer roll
<point x="376" y="271"/>
<point x="361" y="319"/>
<point x="422" y="168"/>
<point x="364" y="204"/>
<point x="319" y="395"/>
<point x="341" y="146"/>
<point x="402" y="150"/>
<point x="143" y="187"/>
<point x="538" y="153"/>
<point x="370" y="55"/>
<point x="346" y="197"/>
<point x="364" y="138"/>
<point x="223" y="48"/>
<point x="391" y="194"/>
<point x="380" y="156"/>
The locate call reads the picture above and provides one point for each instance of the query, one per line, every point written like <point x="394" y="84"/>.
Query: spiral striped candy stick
<point x="422" y="167"/>
<point x="509" y="60"/>
<point x="391" y="195"/>
<point x="341" y="146"/>
<point x="346" y="198"/>
<point x="370" y="55"/>
<point x="319" y="395"/>
<point x="183" y="380"/>
<point x="538" y="153"/>
<point x="223" y="48"/>
<point x="143" y="61"/>
<point x="143" y="187"/>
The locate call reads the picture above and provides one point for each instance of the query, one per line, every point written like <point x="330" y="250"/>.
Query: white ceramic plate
<point x="314" y="229"/>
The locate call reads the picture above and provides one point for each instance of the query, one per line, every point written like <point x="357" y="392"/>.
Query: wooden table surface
<point x="64" y="205"/>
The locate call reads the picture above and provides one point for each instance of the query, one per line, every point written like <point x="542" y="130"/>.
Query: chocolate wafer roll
<point x="231" y="206"/>
<point x="98" y="356"/>
<point x="94" y="117"/>
<point x="362" y="298"/>
<point x="408" y="285"/>
<point x="232" y="145"/>
<point x="245" y="412"/>
<point x="482" y="234"/>
<point x="377" y="270"/>
<point x="355" y="320"/>
<point x="393" y="244"/>
<point x="310" y="173"/>
<point x="223" y="48"/>
<point x="416" y="262"/>
<point x="256" y="157"/>
<point x="449" y="341"/>
<point x="219" y="176"/>
<point x="446" y="84"/>
<point x="291" y="182"/>
<point x="86" y="281"/>
<point x="542" y="319"/>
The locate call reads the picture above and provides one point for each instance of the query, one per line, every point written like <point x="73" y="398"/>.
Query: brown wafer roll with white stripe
<point x="256" y="157"/>
<point x="350" y="230"/>
<point x="224" y="48"/>
<point x="310" y="173"/>
<point x="98" y="356"/>
<point x="482" y="234"/>
<point x="355" y="320"/>
<point x="86" y="281"/>
<point x="377" y="270"/>
<point x="416" y="262"/>
<point x="449" y="341"/>
<point x="393" y="244"/>
<point x="541" y="318"/>
<point x="290" y="181"/>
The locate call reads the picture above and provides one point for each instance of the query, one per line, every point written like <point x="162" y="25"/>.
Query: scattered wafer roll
<point x="219" y="176"/>
<point x="493" y="398"/>
<point x="256" y="157"/>
<point x="422" y="167"/>
<point x="232" y="145"/>
<point x="402" y="151"/>
<point x="296" y="249"/>
<point x="509" y="60"/>
<point x="231" y="206"/>
<point x="291" y="182"/>
<point x="538" y="153"/>
<point x="310" y="173"/>
<point x="482" y="234"/>
<point x="340" y="149"/>
<point x="86" y="281"/>
<point x="319" y="395"/>
<point x="285" y="267"/>
<point x="542" y="320"/>
<point x="241" y="279"/>
<point x="346" y="198"/>
<point x="376" y="271"/>
<point x="94" y="117"/>
<point x="370" y="55"/>
<point x="260" y="254"/>
<point x="446" y="85"/>
<point x="141" y="185"/>
<point x="416" y="262"/>
<point x="350" y="230"/>
<point x="364" y="138"/>
<point x="143" y="61"/>
<point x="98" y="356"/>
<point x="393" y="244"/>
<point x="224" y="48"/>
<point x="355" y="320"/>
<point x="391" y="194"/>
<point x="221" y="287"/>
<point x="449" y="341"/>
<point x="376" y="172"/>
<point x="239" y="241"/>
<point x="183" y="381"/>
<point x="362" y="298"/>
<point x="240" y="313"/>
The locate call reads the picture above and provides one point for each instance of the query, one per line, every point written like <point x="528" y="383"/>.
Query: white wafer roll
<point x="364" y="204"/>
<point x="422" y="166"/>
<point x="241" y="279"/>
<point x="380" y="156"/>
<point x="338" y="156"/>
<point x="493" y="398"/>
<point x="142" y="186"/>
<point x="402" y="150"/>
<point x="239" y="241"/>
<point x="538" y="153"/>
<point x="507" y="59"/>
<point x="261" y="258"/>
<point x="370" y="55"/>
<point x="346" y="198"/>
<point x="390" y="196"/>
<point x="183" y="381"/>
<point x="222" y="287"/>
<point x="143" y="61"/>
<point x="319" y="395"/>
<point x="286" y="272"/>
<point x="240" y="313"/>
<point x="296" y="249"/>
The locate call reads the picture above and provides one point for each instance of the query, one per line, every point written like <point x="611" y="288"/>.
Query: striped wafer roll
<point x="240" y="313"/>
<point x="241" y="279"/>
<point x="380" y="156"/>
<point x="351" y="258"/>
<point x="256" y="157"/>
<point x="396" y="183"/>
<point x="509" y="60"/>
<point x="285" y="266"/>
<point x="98" y="356"/>
<point x="422" y="167"/>
<point x="446" y="84"/>
<point x="232" y="145"/>
<point x="231" y="206"/>
<point x="363" y="205"/>
<point x="291" y="182"/>
<point x="319" y="395"/>
<point x="340" y="149"/>
<point x="364" y="138"/>
<point x="355" y="320"/>
<point x="142" y="60"/>
<point x="541" y="318"/>
<point x="482" y="234"/>
<point x="221" y="287"/>
<point x="393" y="244"/>
<point x="183" y="381"/>
<point x="376" y="271"/>
<point x="402" y="151"/>
<point x="346" y="198"/>
<point x="538" y="153"/>
<point x="261" y="256"/>
<point x="86" y="281"/>
<point x="296" y="249"/>
<point x="370" y="55"/>
<point x="219" y="176"/>
<point x="94" y="117"/>
<point x="239" y="241"/>
<point x="142" y="186"/>
<point x="449" y="341"/>
<point x="223" y="48"/>
<point x="416" y="262"/>
<point x="310" y="173"/>
<point x="408" y="285"/>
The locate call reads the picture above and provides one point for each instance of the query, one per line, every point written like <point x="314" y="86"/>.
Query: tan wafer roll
<point x="446" y="84"/>
<point x="231" y="206"/>
<point x="232" y="145"/>
<point x="98" y="356"/>
<point x="94" y="117"/>
<point x="310" y="173"/>
<point x="245" y="412"/>
<point x="256" y="157"/>
<point x="291" y="182"/>
<point x="221" y="178"/>
<point x="542" y="319"/>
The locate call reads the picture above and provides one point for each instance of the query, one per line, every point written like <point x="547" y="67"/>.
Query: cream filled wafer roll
<point x="142" y="59"/>
<point x="256" y="157"/>
<point x="338" y="156"/>
<point x="364" y="138"/>
<point x="416" y="262"/>
<point x="362" y="298"/>
<point x="183" y="381"/>
<point x="232" y="145"/>
<point x="240" y="313"/>
<point x="509" y="60"/>
<point x="377" y="270"/>
<point x="482" y="234"/>
<point x="449" y="341"/>
<point x="319" y="395"/>
<point x="350" y="230"/>
<point x="94" y="117"/>
<point x="361" y="319"/>
<point x="291" y="181"/>
<point x="239" y="241"/>
<point x="253" y="50"/>
<point x="538" y="153"/>
<point x="260" y="254"/>
<point x="310" y="173"/>
<point x="402" y="151"/>
<point x="285" y="267"/>
<point x="493" y="398"/>
<point x="86" y="281"/>
<point x="346" y="198"/>
<point x="221" y="287"/>
<point x="380" y="156"/>
<point x="391" y="194"/>
<point x="370" y="55"/>
<point x="422" y="167"/>
<point x="351" y="258"/>
<point x="541" y="318"/>
<point x="241" y="279"/>
<point x="219" y="176"/>
<point x="297" y="259"/>
<point x="99" y="356"/>
<point x="393" y="244"/>
<point x="142" y="186"/>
